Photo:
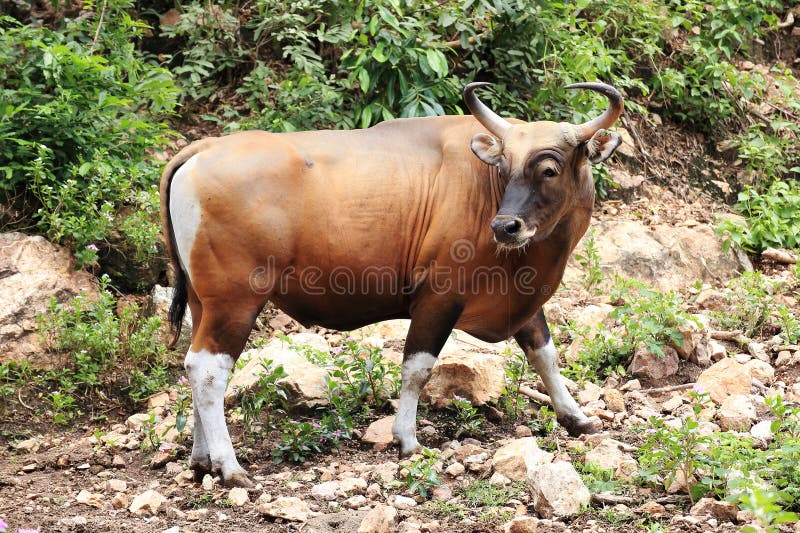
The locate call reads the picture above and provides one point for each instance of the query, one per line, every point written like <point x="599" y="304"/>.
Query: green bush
<point x="104" y="348"/>
<point x="772" y="218"/>
<point x="79" y="115"/>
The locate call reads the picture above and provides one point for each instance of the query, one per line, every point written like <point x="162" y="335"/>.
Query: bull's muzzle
<point x="510" y="231"/>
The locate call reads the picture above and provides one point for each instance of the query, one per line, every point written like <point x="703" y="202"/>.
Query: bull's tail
<point x="177" y="308"/>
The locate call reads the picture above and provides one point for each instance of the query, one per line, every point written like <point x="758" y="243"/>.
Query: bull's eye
<point x="549" y="172"/>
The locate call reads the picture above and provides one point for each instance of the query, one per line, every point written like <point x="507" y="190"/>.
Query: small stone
<point x="651" y="508"/>
<point x="147" y="503"/>
<point x="736" y="413"/>
<point x="522" y="524"/>
<point x="118" y="461"/>
<point x="522" y="432"/>
<point x="385" y="472"/>
<point x="716" y="350"/>
<point x="455" y="470"/>
<point x="672" y="404"/>
<point x="87" y="498"/>
<point x="763" y="431"/>
<point x="289" y="508"/>
<point x="723" y="511"/>
<point x="172" y="469"/>
<point x="590" y="393"/>
<point x="208" y="483"/>
<point x="558" y="490"/>
<point x="325" y="491"/>
<point x="32" y="467"/>
<point x="238" y="496"/>
<point x="614" y="400"/>
<point x="194" y="515"/>
<point x="609" y="455"/>
<point x="116" y="485"/>
<point x="723" y="379"/>
<point x="160" y="399"/>
<point x="760" y="370"/>
<point x="119" y="501"/>
<point x="31" y="445"/>
<point x="442" y="493"/>
<point x="380" y="519"/>
<point x="354" y="502"/>
<point x="379" y="433"/>
<point x="633" y="384"/>
<point x="519" y="458"/>
<point x="651" y="366"/>
<point x="402" y="502"/>
<point x="63" y="460"/>
<point x="499" y="480"/>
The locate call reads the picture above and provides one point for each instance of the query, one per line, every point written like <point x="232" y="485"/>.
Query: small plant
<point x="673" y="452"/>
<point x="750" y="301"/>
<point x="151" y="440"/>
<point x="512" y="402"/>
<point x="469" y="422"/>
<point x="182" y="404"/>
<point x="361" y="378"/>
<point x="481" y="493"/>
<point x="598" y="479"/>
<point x="267" y="398"/>
<point x="421" y="475"/>
<point x="63" y="407"/>
<point x="765" y="504"/>
<point x="545" y="421"/>
<point x="589" y="260"/>
<point x="299" y="441"/>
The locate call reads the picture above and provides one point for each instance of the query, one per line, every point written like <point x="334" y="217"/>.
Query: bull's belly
<point x="343" y="312"/>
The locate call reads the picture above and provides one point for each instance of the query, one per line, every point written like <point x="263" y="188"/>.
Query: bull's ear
<point x="487" y="148"/>
<point x="602" y="145"/>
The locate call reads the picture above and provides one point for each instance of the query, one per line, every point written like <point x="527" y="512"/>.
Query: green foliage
<point x="101" y="345"/>
<point x="300" y="440"/>
<point x="598" y="479"/>
<point x="512" y="402"/>
<point x="260" y="404"/>
<point x="750" y="303"/>
<point x="481" y="493"/>
<point x="421" y="475"/>
<point x="361" y="379"/>
<point x="469" y="422"/>
<point x="589" y="260"/>
<point x="772" y="218"/>
<point x="78" y="116"/>
<point x="761" y="479"/>
<point x="644" y="317"/>
<point x="63" y="408"/>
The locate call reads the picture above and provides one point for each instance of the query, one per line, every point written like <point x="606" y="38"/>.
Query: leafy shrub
<point x="261" y="403"/>
<point x="751" y="306"/>
<point x="772" y="218"/>
<point x="469" y="422"/>
<point x="103" y="347"/>
<point x="78" y="117"/>
<point x="421" y="475"/>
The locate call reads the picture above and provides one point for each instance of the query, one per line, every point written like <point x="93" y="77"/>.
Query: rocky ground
<point x="514" y="475"/>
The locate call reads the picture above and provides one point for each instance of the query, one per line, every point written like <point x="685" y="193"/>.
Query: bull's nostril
<point x="512" y="226"/>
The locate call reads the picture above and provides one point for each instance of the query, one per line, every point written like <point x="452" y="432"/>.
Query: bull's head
<point x="544" y="164"/>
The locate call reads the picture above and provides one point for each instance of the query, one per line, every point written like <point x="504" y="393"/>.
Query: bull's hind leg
<point x="430" y="326"/>
<point x="216" y="345"/>
<point x="534" y="339"/>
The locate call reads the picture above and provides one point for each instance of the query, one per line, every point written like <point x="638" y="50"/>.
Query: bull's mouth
<point x="519" y="243"/>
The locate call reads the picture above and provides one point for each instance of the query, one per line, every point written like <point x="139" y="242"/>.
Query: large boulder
<point x="465" y="371"/>
<point x="305" y="381"/>
<point x="664" y="256"/>
<point x="32" y="271"/>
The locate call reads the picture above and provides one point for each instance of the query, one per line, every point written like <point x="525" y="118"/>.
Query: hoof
<point x="409" y="449"/>
<point x="238" y="479"/>
<point x="200" y="470"/>
<point x="578" y="426"/>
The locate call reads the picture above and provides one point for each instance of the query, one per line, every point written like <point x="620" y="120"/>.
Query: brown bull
<point x="401" y="220"/>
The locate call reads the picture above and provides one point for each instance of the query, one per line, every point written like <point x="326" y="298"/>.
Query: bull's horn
<point x="604" y="121"/>
<point x="490" y="120"/>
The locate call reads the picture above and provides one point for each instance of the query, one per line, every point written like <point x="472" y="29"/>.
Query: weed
<point x="267" y="398"/>
<point x="63" y="407"/>
<point x="481" y="493"/>
<point x="421" y="475"/>
<point x="469" y="422"/>
<point x="749" y="303"/>
<point x="182" y="404"/>
<point x="589" y="260"/>
<point x="512" y="402"/>
<point x="598" y="479"/>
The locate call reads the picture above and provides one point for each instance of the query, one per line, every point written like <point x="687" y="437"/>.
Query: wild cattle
<point x="401" y="220"/>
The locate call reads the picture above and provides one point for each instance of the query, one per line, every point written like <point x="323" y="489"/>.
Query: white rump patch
<point x="184" y="211"/>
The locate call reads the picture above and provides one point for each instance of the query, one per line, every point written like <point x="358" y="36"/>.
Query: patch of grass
<point x="481" y="493"/>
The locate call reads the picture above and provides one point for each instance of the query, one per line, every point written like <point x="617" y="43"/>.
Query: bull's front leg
<point x="431" y="323"/>
<point x="534" y="339"/>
